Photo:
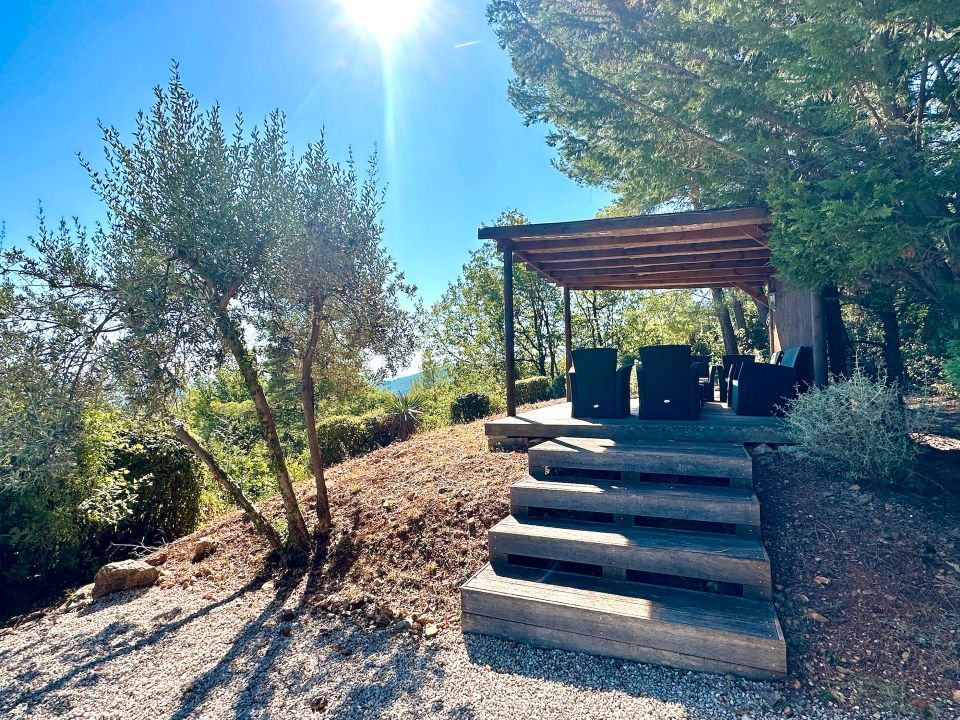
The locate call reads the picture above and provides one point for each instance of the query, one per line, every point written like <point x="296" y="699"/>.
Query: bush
<point x="60" y="521"/>
<point x="533" y="389"/>
<point x="858" y="429"/>
<point x="166" y="484"/>
<point x="558" y="388"/>
<point x="344" y="436"/>
<point x="469" y="406"/>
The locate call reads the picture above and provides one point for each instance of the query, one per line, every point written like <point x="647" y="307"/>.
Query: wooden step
<point x="689" y="630"/>
<point x="713" y="460"/>
<point x="624" y="501"/>
<point x="616" y="549"/>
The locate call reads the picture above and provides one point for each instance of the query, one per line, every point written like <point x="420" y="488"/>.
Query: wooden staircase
<point x="647" y="552"/>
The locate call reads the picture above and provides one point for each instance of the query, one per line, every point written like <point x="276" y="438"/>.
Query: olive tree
<point x="209" y="240"/>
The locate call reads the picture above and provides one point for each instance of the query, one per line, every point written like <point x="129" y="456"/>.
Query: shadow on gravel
<point x="10" y="697"/>
<point x="274" y="652"/>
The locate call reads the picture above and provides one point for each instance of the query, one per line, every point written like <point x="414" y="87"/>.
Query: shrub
<point x="558" y="387"/>
<point x="533" y="389"/>
<point x="166" y="486"/>
<point x="405" y="412"/>
<point x="344" y="436"/>
<point x="858" y="429"/>
<point x="469" y="406"/>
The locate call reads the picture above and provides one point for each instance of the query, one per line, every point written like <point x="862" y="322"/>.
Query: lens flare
<point x="386" y="20"/>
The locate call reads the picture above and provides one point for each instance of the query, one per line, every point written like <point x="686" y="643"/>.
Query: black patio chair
<point x="800" y="358"/>
<point x="730" y="364"/>
<point x="598" y="387"/>
<point x="764" y="388"/>
<point x="704" y="376"/>
<point x="668" y="383"/>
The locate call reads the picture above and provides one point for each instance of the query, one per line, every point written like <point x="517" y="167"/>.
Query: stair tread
<point x="624" y="619"/>
<point x="722" y="613"/>
<point x="667" y="457"/>
<point x="718" y="504"/>
<point x="730" y="546"/>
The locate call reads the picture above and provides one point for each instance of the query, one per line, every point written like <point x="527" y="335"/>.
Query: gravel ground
<point x="258" y="652"/>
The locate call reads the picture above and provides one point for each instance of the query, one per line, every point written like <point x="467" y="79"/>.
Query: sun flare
<point x="386" y="20"/>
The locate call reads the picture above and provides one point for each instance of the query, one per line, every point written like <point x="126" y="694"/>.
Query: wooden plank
<point x="753" y="292"/>
<point x="757" y="274"/>
<point x="649" y="285"/>
<point x="716" y="424"/>
<point x="637" y="239"/>
<point x="691" y="249"/>
<point x="660" y="264"/>
<point x="600" y="226"/>
<point x="559" y="639"/>
<point x="666" y="458"/>
<point x="736" y="506"/>
<point x="706" y="556"/>
<point x="699" y="625"/>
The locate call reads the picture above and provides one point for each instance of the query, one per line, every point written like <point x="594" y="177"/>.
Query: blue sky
<point x="457" y="153"/>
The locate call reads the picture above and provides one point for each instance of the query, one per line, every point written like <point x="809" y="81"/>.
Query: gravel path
<point x="250" y="653"/>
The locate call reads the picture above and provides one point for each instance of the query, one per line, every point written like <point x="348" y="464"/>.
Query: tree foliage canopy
<point x="842" y="117"/>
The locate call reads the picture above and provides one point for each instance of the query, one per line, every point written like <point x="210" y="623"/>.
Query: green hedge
<point x="469" y="406"/>
<point x="344" y="436"/>
<point x="533" y="389"/>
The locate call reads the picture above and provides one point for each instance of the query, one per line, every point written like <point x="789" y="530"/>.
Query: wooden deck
<point x="716" y="424"/>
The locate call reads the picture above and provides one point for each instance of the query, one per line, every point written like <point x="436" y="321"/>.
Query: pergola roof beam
<point x="730" y="248"/>
<point x="611" y="227"/>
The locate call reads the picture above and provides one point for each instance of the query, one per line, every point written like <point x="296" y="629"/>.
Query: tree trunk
<point x="893" y="358"/>
<point x="837" y="339"/>
<point x="308" y="400"/>
<point x="261" y="523"/>
<point x="232" y="339"/>
<point x="726" y="326"/>
<point x="738" y="314"/>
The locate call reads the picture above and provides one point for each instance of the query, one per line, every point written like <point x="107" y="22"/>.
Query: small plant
<point x="405" y="412"/>
<point x="469" y="406"/>
<point x="859" y="429"/>
<point x="533" y="389"/>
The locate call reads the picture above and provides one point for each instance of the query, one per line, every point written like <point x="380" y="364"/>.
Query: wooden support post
<point x="508" y="342"/>
<point x="567" y="341"/>
<point x="819" y="339"/>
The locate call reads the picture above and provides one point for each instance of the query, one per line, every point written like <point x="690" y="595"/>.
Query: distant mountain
<point x="400" y="385"/>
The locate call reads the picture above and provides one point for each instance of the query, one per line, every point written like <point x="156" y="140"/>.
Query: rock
<point x="203" y="547"/>
<point x="425" y="619"/>
<point x="815" y="616"/>
<point x="821" y="580"/>
<point x="430" y="631"/>
<point x="123" y="575"/>
<point x="269" y="586"/>
<point x="803" y="598"/>
<point x="956" y="696"/>
<point x="287" y="615"/>
<point x="318" y="704"/>
<point x="855" y="487"/>
<point x="771" y="698"/>
<point x="158" y="558"/>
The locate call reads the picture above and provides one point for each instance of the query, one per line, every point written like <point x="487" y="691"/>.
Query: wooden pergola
<point x="694" y="249"/>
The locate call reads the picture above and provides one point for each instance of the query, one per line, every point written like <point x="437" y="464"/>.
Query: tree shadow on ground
<point x="392" y="669"/>
<point x="93" y="646"/>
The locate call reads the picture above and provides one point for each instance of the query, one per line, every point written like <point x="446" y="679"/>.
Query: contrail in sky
<point x="466" y="44"/>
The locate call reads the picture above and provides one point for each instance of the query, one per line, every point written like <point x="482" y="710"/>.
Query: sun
<point x="386" y="20"/>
